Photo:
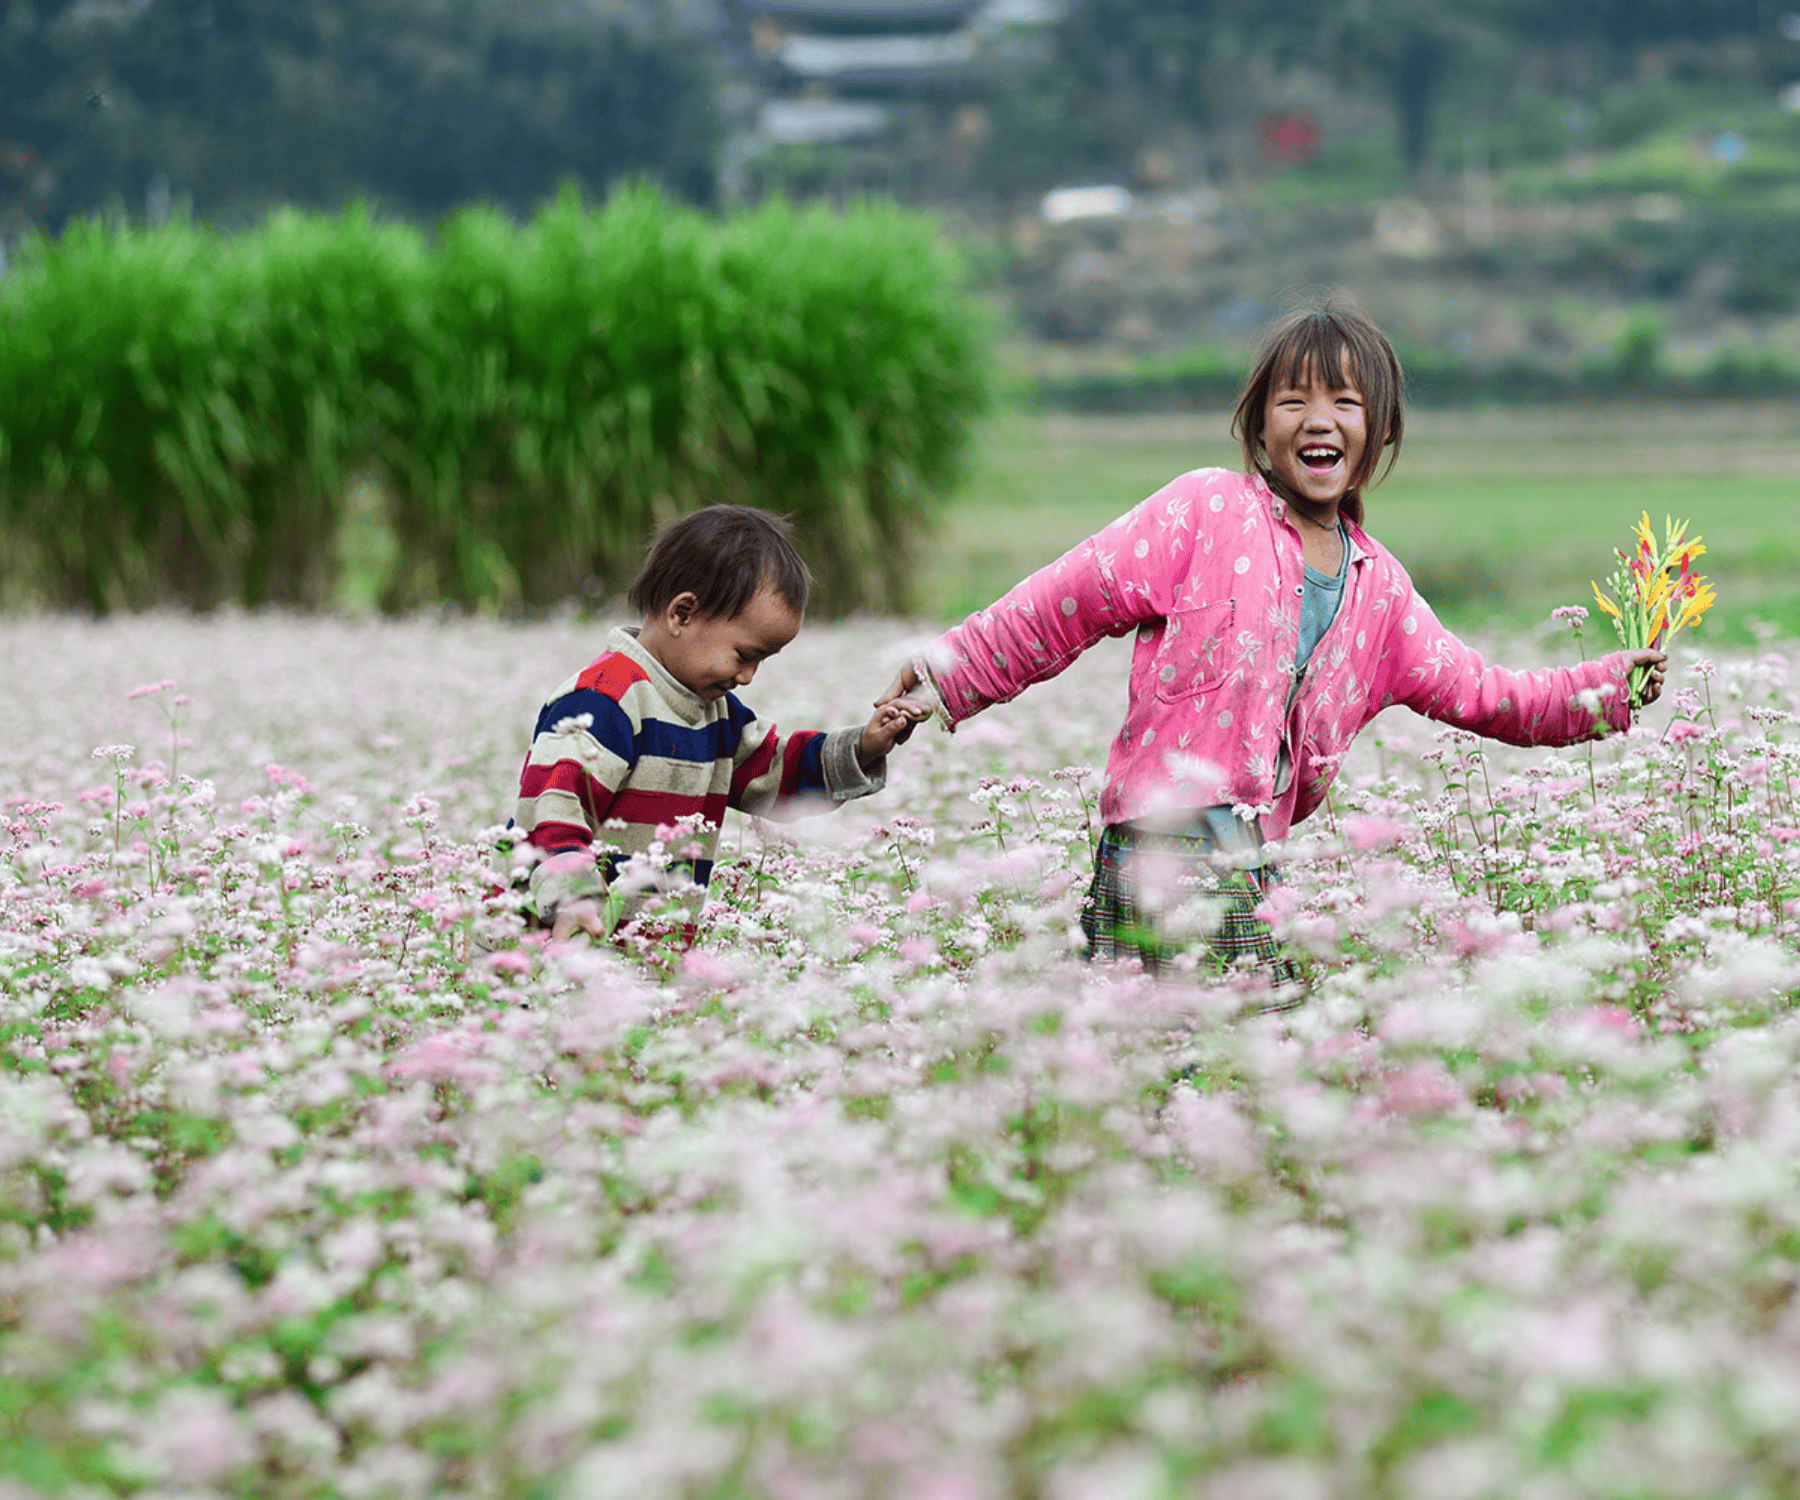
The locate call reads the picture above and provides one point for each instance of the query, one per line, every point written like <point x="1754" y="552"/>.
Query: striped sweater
<point x="622" y="750"/>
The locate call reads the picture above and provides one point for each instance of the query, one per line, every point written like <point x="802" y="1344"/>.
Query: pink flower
<point x="1369" y="832"/>
<point x="1612" y="1018"/>
<point x="1422" y="1089"/>
<point x="451" y="1057"/>
<point x="194" y="1436"/>
<point x="705" y="970"/>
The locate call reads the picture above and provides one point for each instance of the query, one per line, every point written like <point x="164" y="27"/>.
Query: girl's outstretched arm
<point x="1128" y="573"/>
<point x="1428" y="669"/>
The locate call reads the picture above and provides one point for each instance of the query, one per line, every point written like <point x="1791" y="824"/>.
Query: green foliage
<point x="1347" y="172"/>
<point x="183" y="411"/>
<point x="1757" y="246"/>
<point x="1538" y="129"/>
<point x="1206" y="375"/>
<point x="423" y="103"/>
<point x="1637" y="361"/>
<point x="1202" y="375"/>
<point x="1627" y="115"/>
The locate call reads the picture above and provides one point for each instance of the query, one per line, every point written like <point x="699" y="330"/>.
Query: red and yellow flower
<point x="1655" y="591"/>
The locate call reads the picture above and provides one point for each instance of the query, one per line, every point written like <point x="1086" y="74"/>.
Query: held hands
<point x="896" y="716"/>
<point x="892" y="724"/>
<point x="906" y="680"/>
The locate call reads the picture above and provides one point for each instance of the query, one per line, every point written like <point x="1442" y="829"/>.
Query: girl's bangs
<point x="1320" y="349"/>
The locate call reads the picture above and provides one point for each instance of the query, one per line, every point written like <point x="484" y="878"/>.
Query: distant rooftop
<point x="864" y="11"/>
<point x="869" y="58"/>
<point x="809" y="122"/>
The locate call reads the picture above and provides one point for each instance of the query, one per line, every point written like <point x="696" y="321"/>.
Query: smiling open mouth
<point x="1319" y="456"/>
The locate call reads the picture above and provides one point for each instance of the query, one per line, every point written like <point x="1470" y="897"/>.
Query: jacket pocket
<point x="1191" y="658"/>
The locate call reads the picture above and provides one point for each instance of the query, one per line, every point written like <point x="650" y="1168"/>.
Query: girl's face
<point x="1315" y="435"/>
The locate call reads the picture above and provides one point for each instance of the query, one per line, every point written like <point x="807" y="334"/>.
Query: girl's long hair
<point x="1336" y="342"/>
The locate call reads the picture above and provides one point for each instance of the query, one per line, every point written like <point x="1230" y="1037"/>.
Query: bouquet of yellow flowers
<point x="1655" y="592"/>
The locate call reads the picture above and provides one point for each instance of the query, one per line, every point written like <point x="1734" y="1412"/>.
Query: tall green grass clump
<point x="595" y="372"/>
<point x="338" y="321"/>
<point x="121" y="456"/>
<point x="853" y="411"/>
<point x="180" y="413"/>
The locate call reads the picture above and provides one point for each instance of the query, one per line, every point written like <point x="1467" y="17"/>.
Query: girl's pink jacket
<point x="1208" y="571"/>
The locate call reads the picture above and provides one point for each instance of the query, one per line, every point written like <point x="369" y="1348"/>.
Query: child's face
<point x="1315" y="436"/>
<point x="711" y="656"/>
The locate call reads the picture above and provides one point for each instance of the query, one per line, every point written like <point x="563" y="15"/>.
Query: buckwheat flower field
<point x="319" y="1176"/>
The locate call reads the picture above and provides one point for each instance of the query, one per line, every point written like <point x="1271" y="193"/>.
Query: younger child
<point x="652" y="732"/>
<point x="1270" y="629"/>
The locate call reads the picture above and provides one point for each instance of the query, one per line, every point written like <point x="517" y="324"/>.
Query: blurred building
<point x="864" y="80"/>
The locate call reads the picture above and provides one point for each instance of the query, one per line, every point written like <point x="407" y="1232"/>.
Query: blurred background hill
<point x="1506" y="183"/>
<point x="1509" y="184"/>
<point x="1542" y="200"/>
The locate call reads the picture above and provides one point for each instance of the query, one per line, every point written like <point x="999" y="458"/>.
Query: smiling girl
<point x="1270" y="629"/>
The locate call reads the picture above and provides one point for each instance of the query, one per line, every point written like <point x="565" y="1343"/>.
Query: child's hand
<point x="892" y="724"/>
<point x="577" y="916"/>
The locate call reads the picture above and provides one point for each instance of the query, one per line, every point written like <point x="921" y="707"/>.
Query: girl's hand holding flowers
<point x="1655" y="593"/>
<point x="1646" y="677"/>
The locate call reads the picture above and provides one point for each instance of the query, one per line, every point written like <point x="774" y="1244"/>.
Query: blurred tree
<point x="31" y="132"/>
<point x="1419" y="52"/>
<point x="1154" y="51"/>
<point x="421" y="103"/>
<point x="1413" y="51"/>
<point x="1045" y="130"/>
<point x="1124" y="74"/>
<point x="1625" y="26"/>
<point x="1162" y="59"/>
<point x="1413" y="46"/>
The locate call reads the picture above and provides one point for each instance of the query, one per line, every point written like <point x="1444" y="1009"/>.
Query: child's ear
<point x="682" y="610"/>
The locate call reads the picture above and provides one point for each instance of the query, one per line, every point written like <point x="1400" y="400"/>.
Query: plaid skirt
<point x="1149" y="887"/>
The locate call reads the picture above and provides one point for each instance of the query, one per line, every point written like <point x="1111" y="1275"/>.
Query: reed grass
<point x="181" y="412"/>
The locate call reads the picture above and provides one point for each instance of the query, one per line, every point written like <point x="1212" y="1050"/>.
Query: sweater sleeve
<point x="581" y="753"/>
<point x="788" y="776"/>
<point x="1122" y="576"/>
<point x="1432" y="672"/>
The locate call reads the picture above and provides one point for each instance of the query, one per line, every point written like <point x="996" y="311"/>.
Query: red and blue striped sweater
<point x="622" y="750"/>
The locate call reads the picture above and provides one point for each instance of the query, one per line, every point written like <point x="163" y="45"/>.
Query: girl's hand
<point x="905" y="681"/>
<point x="892" y="725"/>
<point x="1652" y="661"/>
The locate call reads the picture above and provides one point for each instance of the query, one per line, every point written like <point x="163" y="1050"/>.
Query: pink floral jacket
<point x="1208" y="571"/>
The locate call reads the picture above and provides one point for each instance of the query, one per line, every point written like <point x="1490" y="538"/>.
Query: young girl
<point x="1270" y="629"/>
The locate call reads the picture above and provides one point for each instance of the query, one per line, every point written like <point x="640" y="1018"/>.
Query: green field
<point x="1500" y="513"/>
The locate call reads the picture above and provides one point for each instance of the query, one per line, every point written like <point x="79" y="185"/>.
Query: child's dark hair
<point x="723" y="555"/>
<point x="1334" y="341"/>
